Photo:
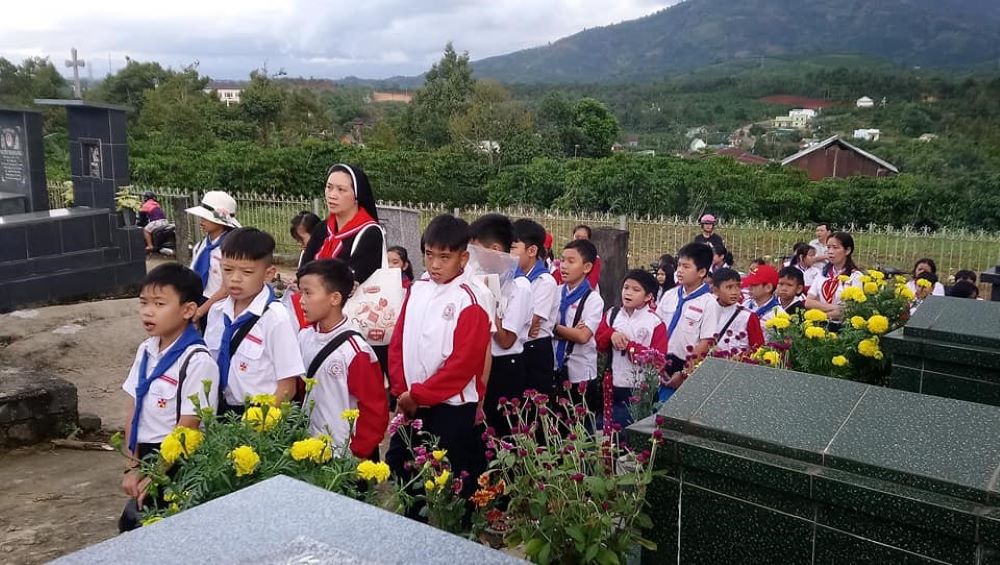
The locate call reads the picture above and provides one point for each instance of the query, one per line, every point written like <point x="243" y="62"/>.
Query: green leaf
<point x="608" y="557"/>
<point x="591" y="553"/>
<point x="575" y="533"/>
<point x="545" y="554"/>
<point x="533" y="546"/>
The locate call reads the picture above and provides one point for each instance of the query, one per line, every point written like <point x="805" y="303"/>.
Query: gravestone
<point x="951" y="348"/>
<point x="22" y="162"/>
<point x="612" y="246"/>
<point x="282" y="520"/>
<point x="764" y="465"/>
<point x="992" y="276"/>
<point x="402" y="227"/>
<point x="52" y="255"/>
<point x="98" y="151"/>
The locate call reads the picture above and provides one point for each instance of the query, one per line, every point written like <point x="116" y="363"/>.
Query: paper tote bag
<point x="376" y="303"/>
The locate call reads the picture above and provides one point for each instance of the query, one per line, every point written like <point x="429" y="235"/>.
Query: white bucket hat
<point x="217" y="207"/>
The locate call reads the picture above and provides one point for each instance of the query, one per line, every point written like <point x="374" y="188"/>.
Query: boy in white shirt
<point x="736" y="330"/>
<point x="250" y="333"/>
<point x="628" y="331"/>
<point x="578" y="314"/>
<point x="528" y="247"/>
<point x="683" y="311"/>
<point x="506" y="379"/>
<point x="345" y="368"/>
<point x="170" y="367"/>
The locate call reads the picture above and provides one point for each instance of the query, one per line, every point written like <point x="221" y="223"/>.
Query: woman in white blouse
<point x="925" y="265"/>
<point x="825" y="292"/>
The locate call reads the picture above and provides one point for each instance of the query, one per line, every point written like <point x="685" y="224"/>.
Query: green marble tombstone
<point x="771" y="466"/>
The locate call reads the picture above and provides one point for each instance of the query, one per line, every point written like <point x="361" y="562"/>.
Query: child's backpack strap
<point x="317" y="362"/>
<point x="183" y="375"/>
<point x="614" y="314"/>
<point x="576" y="321"/>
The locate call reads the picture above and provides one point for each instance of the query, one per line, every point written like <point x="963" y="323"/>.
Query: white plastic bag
<point x="375" y="305"/>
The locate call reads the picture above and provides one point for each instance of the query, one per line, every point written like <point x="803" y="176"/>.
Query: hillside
<point x="697" y="33"/>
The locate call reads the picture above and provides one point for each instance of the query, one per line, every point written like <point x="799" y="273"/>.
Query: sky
<point x="365" y="38"/>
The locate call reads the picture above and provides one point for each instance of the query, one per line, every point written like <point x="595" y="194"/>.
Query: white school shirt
<point x="581" y="365"/>
<point x="214" y="266"/>
<point x="544" y="293"/>
<point x="815" y="291"/>
<point x="159" y="407"/>
<point x="690" y="327"/>
<point x="330" y="393"/>
<point x="638" y="327"/>
<point x="432" y="313"/>
<point x="812" y="274"/>
<point x="773" y="304"/>
<point x="269" y="353"/>
<point x="516" y="294"/>
<point x="937" y="291"/>
<point x="735" y="338"/>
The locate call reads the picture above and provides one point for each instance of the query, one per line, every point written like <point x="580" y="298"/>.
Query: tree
<point x="492" y="124"/>
<point x="598" y="126"/>
<point x="447" y="92"/>
<point x="129" y="85"/>
<point x="178" y="110"/>
<point x="35" y="77"/>
<point x="261" y="102"/>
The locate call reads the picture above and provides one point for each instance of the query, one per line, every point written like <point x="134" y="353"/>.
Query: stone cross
<point x="76" y="64"/>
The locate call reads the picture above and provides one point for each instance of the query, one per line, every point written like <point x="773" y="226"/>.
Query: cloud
<point x="377" y="38"/>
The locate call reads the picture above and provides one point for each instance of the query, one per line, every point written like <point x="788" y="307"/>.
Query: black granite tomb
<point x="52" y="255"/>
<point x="22" y="163"/>
<point x="992" y="276"/>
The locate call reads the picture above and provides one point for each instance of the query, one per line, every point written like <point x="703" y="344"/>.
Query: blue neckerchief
<point x="770" y="304"/>
<point x="145" y="378"/>
<point x="681" y="301"/>
<point x="536" y="271"/>
<point x="226" y="356"/>
<point x="566" y="300"/>
<point x="203" y="263"/>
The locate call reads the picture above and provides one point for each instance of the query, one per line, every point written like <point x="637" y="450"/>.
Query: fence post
<point x="316" y="205"/>
<point x="182" y="228"/>
<point x="457" y="213"/>
<point x="623" y="222"/>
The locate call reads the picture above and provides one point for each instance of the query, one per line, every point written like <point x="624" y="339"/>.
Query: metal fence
<point x="650" y="237"/>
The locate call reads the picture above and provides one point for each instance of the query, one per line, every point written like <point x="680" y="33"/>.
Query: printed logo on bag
<point x="376" y="334"/>
<point x="449" y="312"/>
<point x="374" y="289"/>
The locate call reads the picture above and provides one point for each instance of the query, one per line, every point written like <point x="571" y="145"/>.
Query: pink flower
<point x="567" y="385"/>
<point x="490" y="454"/>
<point x="396" y="422"/>
<point x="577" y="477"/>
<point x="417" y="424"/>
<point x="660" y="420"/>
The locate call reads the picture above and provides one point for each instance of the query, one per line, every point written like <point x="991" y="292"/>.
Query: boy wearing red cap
<point x="761" y="285"/>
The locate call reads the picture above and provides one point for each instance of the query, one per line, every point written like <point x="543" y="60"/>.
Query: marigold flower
<point x="263" y="400"/>
<point x="871" y="288"/>
<point x="858" y="322"/>
<point x="182" y="441"/>
<point x="245" y="460"/>
<point x="869" y="347"/>
<point x="924" y="283"/>
<point x="429" y="486"/>
<point x="839" y="361"/>
<point x="779" y="323"/>
<point x="772" y="357"/>
<point x="900" y="279"/>
<point x="865" y="279"/>
<point x="351" y="414"/>
<point x="878" y="324"/>
<point x="904" y="291"/>
<point x="815" y="315"/>
<point x="877" y="275"/>
<point x="853" y="293"/>
<point x="315" y="449"/>
<point x="369" y="470"/>
<point x="815" y="333"/>
<point x="482" y="497"/>
<point x="843" y="278"/>
<point x="441" y="480"/>
<point x="261" y="420"/>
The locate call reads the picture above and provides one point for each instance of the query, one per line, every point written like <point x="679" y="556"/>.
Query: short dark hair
<point x="824" y="224"/>
<point x="720" y="250"/>
<point x="307" y="220"/>
<point x="792" y="273"/>
<point x="585" y="248"/>
<point x="530" y="232"/>
<point x="928" y="277"/>
<point x="964" y="289"/>
<point x="724" y="275"/>
<point x="966" y="275"/>
<point x="405" y="257"/>
<point x="183" y="280"/>
<point x="644" y="278"/>
<point x="699" y="253"/>
<point x="446" y="232"/>
<point x="586" y="228"/>
<point x="493" y="228"/>
<point x="335" y="274"/>
<point x="249" y="243"/>
<point x="930" y="263"/>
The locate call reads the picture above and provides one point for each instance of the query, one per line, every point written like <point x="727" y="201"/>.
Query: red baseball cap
<point x="765" y="274"/>
<point x="548" y="240"/>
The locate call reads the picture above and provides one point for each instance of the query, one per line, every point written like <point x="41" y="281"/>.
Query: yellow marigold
<point x="781" y="314"/>
<point x="924" y="283"/>
<point x="815" y="333"/>
<point x="772" y="357"/>
<point x="853" y="293"/>
<point x="369" y="471"/>
<point x="869" y="347"/>
<point x="904" y="292"/>
<point x="877" y="275"/>
<point x="900" y="279"/>
<point x="170" y="449"/>
<point x="310" y="384"/>
<point x="878" y="324"/>
<point x="315" y="449"/>
<point x="263" y="400"/>
<point x="843" y="278"/>
<point x="438" y="454"/>
<point x="255" y="416"/>
<point x="832" y="335"/>
<point x="871" y="288"/>
<point x="442" y="480"/>
<point x="429" y="486"/>
<point x="839" y="361"/>
<point x="245" y="460"/>
<point x="815" y="315"/>
<point x="778" y="323"/>
<point x="182" y="441"/>
<point x="865" y="279"/>
<point x="351" y="414"/>
<point x="858" y="322"/>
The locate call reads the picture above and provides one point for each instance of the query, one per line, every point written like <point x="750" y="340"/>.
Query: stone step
<point x="35" y="407"/>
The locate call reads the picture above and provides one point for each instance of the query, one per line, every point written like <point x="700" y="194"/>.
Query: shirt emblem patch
<point x="243" y="366"/>
<point x="161" y="402"/>
<point x="642" y="335"/>
<point x="449" y="312"/>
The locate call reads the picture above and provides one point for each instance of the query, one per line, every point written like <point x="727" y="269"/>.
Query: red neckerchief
<point x="830" y="286"/>
<point x="335" y="238"/>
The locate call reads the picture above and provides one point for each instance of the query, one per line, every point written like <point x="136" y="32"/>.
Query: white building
<point x="796" y="119"/>
<point x="867" y="134"/>
<point x="865" y="102"/>
<point x="228" y="91"/>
